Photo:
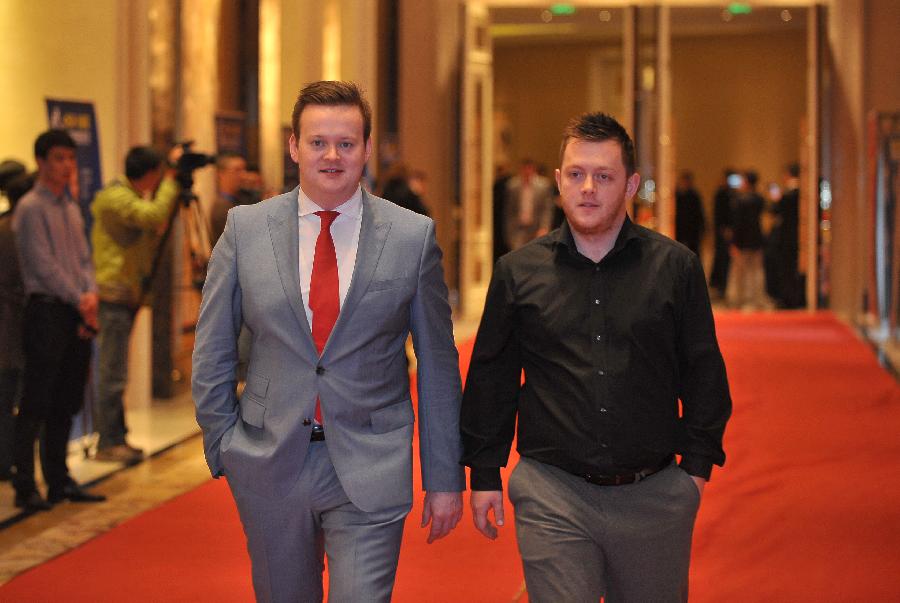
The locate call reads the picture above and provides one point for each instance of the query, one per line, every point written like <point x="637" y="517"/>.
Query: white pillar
<point x="271" y="149"/>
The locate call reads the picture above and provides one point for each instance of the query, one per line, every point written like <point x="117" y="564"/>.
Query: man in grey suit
<point x="317" y="449"/>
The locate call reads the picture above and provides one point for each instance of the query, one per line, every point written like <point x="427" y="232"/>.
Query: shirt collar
<point x="564" y="238"/>
<point x="44" y="191"/>
<point x="351" y="207"/>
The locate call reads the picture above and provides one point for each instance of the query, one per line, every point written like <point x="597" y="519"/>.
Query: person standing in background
<point x="722" y="202"/>
<point x="498" y="194"/>
<point x="690" y="223"/>
<point x="14" y="185"/>
<point x="788" y="251"/>
<point x="231" y="173"/>
<point x="746" y="281"/>
<point x="9" y="170"/>
<point x="528" y="206"/>
<point x="129" y="215"/>
<point x="60" y="320"/>
<point x="399" y="188"/>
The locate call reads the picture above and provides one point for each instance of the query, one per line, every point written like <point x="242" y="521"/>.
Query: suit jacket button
<point x="306" y="422"/>
<point x="320" y="370"/>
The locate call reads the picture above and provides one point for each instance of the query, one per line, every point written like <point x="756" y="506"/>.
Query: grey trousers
<point x="116" y="322"/>
<point x="288" y="539"/>
<point x="579" y="541"/>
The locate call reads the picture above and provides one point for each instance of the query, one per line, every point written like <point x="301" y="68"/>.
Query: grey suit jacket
<point x="259" y="441"/>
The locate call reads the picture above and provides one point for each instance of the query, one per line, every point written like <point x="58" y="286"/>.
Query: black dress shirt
<point x="608" y="349"/>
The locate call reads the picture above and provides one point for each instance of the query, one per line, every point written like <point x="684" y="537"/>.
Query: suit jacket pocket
<point x="257" y="385"/>
<point x="393" y="283"/>
<point x="252" y="412"/>
<point x="392" y="417"/>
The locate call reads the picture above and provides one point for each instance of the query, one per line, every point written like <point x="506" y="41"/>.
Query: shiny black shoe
<point x="74" y="493"/>
<point x="31" y="501"/>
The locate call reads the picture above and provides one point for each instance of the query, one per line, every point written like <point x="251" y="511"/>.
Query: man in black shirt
<point x="612" y="325"/>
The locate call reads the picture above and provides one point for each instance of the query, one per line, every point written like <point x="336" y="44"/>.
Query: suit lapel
<point x="372" y="236"/>
<point x="285" y="235"/>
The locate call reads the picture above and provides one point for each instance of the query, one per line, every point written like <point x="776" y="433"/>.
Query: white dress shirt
<point x="345" y="233"/>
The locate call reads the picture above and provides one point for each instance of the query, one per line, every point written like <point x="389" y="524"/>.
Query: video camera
<point x="188" y="162"/>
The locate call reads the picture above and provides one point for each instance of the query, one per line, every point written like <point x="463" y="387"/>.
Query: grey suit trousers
<point x="288" y="539"/>
<point x="579" y="541"/>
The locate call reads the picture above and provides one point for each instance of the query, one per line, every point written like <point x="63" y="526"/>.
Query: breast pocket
<point x="388" y="284"/>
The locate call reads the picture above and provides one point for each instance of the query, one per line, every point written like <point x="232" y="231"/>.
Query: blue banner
<point x="78" y="119"/>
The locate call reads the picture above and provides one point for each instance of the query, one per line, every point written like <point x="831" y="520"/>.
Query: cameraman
<point x="129" y="217"/>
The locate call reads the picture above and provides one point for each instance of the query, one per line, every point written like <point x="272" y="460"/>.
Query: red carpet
<point x="808" y="508"/>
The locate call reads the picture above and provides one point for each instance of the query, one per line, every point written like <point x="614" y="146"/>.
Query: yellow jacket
<point x="125" y="235"/>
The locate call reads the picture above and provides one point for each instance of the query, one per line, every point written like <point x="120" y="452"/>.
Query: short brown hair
<point x="599" y="127"/>
<point x="332" y="92"/>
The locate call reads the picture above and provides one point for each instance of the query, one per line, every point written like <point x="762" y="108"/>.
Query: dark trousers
<point x="10" y="379"/>
<point x="56" y="369"/>
<point x="718" y="278"/>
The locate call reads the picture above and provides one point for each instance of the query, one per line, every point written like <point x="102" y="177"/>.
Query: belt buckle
<point x="317" y="434"/>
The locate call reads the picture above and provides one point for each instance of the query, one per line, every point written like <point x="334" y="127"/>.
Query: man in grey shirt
<point x="60" y="319"/>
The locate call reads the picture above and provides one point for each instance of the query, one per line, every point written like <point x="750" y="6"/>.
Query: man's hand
<point x="482" y="501"/>
<point x="85" y="333"/>
<point x="172" y="158"/>
<point x="87" y="307"/>
<point x="443" y="510"/>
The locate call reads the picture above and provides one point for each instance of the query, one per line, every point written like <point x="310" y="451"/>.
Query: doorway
<point x="700" y="88"/>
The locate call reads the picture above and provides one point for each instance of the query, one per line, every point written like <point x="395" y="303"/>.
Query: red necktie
<point x="324" y="293"/>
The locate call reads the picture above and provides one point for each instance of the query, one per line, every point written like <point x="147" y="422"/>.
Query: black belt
<point x="626" y="478"/>
<point x="317" y="434"/>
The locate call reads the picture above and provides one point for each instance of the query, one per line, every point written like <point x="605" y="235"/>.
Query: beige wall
<point x="537" y="89"/>
<point x="737" y="101"/>
<point x="883" y="55"/>
<point x="61" y="50"/>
